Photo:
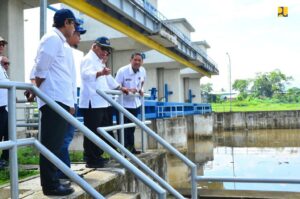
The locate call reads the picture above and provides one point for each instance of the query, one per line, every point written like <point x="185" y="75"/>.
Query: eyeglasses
<point x="2" y="44"/>
<point x="5" y="63"/>
<point x="105" y="49"/>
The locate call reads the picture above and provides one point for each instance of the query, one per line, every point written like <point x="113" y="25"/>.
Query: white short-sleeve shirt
<point x="130" y="79"/>
<point x="90" y="65"/>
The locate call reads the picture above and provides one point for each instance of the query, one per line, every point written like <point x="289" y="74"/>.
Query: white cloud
<point x="256" y="39"/>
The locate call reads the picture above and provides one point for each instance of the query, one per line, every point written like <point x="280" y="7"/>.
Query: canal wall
<point x="256" y="120"/>
<point x="175" y="131"/>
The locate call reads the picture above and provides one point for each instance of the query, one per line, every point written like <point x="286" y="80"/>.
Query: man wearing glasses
<point x="3" y="104"/>
<point x="5" y="63"/>
<point x="97" y="112"/>
<point x="54" y="78"/>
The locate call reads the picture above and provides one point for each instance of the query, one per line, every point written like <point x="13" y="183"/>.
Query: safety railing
<point x="13" y="143"/>
<point x="126" y="152"/>
<point x="194" y="177"/>
<point x="160" y="140"/>
<point x="121" y="115"/>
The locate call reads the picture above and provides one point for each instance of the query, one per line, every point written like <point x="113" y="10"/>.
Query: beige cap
<point x="3" y="40"/>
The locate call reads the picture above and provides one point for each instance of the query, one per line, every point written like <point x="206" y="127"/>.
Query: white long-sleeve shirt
<point x="3" y="91"/>
<point x="90" y="65"/>
<point x="52" y="63"/>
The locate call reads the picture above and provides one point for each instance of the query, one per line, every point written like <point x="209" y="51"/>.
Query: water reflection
<point x="257" y="154"/>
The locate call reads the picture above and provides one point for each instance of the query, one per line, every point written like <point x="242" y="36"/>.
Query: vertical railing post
<point x="12" y="136"/>
<point x="194" y="191"/>
<point x="143" y="120"/>
<point x="121" y="116"/>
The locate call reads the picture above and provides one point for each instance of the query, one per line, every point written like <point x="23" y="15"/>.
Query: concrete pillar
<point x="12" y="29"/>
<point x="194" y="85"/>
<point x="175" y="84"/>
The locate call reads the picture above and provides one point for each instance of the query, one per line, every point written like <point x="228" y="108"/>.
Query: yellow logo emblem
<point x="283" y="11"/>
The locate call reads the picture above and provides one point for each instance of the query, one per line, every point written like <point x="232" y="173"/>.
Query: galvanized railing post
<point x="194" y="190"/>
<point x="121" y="116"/>
<point x="12" y="136"/>
<point x="143" y="120"/>
<point x="140" y="164"/>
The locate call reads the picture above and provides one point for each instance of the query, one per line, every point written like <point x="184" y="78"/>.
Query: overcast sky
<point x="249" y="30"/>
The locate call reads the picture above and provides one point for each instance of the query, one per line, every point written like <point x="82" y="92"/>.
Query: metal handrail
<point x="189" y="163"/>
<point x="121" y="115"/>
<point x="160" y="140"/>
<point x="13" y="143"/>
<point x="142" y="165"/>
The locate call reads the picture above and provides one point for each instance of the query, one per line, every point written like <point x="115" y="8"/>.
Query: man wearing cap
<point x="54" y="78"/>
<point x="96" y="110"/>
<point x="3" y="44"/>
<point x="73" y="41"/>
<point x="3" y="104"/>
<point x="132" y="77"/>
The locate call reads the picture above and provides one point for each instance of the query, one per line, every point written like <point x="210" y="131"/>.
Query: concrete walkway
<point x="106" y="181"/>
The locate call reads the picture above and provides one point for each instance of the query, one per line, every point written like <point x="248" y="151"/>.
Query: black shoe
<point x="134" y="151"/>
<point x="65" y="182"/>
<point x="94" y="165"/>
<point x="59" y="191"/>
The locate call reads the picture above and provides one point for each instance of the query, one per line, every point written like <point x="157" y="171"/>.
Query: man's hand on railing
<point x="29" y="95"/>
<point x="141" y="92"/>
<point x="132" y="90"/>
<point x="124" y="90"/>
<point x="72" y="111"/>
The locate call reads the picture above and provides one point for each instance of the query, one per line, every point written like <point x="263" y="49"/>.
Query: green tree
<point x="206" y="88"/>
<point x="241" y="85"/>
<point x="268" y="84"/>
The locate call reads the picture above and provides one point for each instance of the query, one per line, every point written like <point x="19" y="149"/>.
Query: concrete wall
<point x="177" y="130"/>
<point x="257" y="120"/>
<point x="156" y="161"/>
<point x="174" y="130"/>
<point x="174" y="81"/>
<point x="194" y="85"/>
<point x="12" y="29"/>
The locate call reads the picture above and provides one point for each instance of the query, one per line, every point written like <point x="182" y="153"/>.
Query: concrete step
<point x="106" y="181"/>
<point x="112" y="179"/>
<point x="124" y="195"/>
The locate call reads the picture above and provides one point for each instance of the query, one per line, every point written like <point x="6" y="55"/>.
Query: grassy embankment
<point x="241" y="106"/>
<point x="30" y="156"/>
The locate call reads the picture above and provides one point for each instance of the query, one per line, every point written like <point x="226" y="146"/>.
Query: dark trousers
<point x="94" y="118"/>
<point x="53" y="129"/>
<point x="128" y="132"/>
<point x="4" y="131"/>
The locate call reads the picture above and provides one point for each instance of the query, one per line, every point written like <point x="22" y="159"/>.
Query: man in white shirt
<point x="5" y="63"/>
<point x="54" y="78"/>
<point x="132" y="77"/>
<point x="3" y="104"/>
<point x="73" y="41"/>
<point x="97" y="112"/>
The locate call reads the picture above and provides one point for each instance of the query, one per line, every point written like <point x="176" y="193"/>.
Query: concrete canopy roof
<point x="36" y="3"/>
<point x="184" y="21"/>
<point x="202" y="43"/>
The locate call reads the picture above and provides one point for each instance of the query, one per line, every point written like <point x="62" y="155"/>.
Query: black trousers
<point x="4" y="131"/>
<point x="53" y="129"/>
<point x="94" y="118"/>
<point x="128" y="132"/>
